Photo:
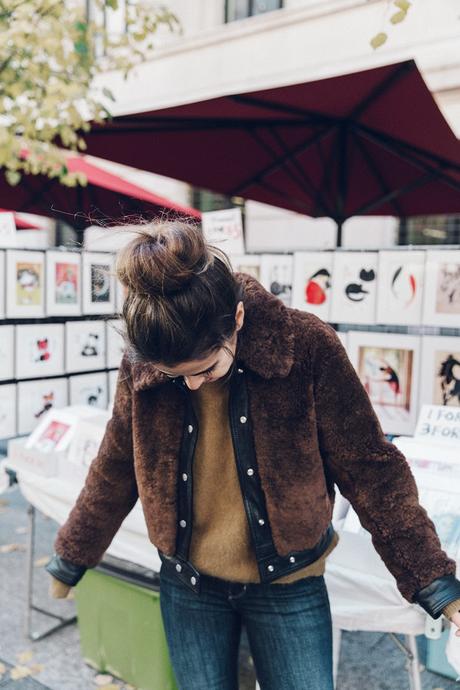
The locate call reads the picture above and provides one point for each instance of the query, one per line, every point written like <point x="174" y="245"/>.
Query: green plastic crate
<point x="436" y="659"/>
<point x="121" y="631"/>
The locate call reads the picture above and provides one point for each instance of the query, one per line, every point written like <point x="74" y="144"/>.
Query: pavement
<point x="368" y="661"/>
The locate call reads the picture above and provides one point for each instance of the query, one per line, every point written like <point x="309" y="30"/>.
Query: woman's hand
<point x="59" y="590"/>
<point x="455" y="619"/>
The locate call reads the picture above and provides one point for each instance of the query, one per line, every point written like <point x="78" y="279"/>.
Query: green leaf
<point x="113" y="4"/>
<point x="81" y="47"/>
<point x="13" y="177"/>
<point x="398" y="17"/>
<point x="402" y="4"/>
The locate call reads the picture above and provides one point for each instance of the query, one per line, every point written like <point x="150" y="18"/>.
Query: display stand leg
<point x="412" y="660"/>
<point x="336" y="642"/>
<point x="30" y="587"/>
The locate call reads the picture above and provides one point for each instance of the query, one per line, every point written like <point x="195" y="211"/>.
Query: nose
<point x="194" y="383"/>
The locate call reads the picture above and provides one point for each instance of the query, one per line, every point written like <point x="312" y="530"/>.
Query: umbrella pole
<point x="339" y="233"/>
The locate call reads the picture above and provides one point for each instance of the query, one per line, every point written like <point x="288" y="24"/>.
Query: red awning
<point x="372" y="142"/>
<point x="107" y="198"/>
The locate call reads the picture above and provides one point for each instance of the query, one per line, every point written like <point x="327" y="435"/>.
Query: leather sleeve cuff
<point x="435" y="596"/>
<point x="65" y="571"/>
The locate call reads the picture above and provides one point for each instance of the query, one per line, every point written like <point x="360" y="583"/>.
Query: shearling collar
<point x="265" y="342"/>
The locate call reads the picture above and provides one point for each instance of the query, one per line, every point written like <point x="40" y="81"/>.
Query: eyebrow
<point x="197" y="373"/>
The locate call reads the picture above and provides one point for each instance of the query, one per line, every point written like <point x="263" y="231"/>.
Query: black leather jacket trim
<point x="65" y="571"/>
<point x="435" y="596"/>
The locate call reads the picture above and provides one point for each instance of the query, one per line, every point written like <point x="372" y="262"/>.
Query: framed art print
<point x="85" y="345"/>
<point x="2" y="284"/>
<point x="7" y="410"/>
<point x="37" y="397"/>
<point x="388" y="366"/>
<point x="98" y="283"/>
<point x="247" y="263"/>
<point x="355" y="287"/>
<point x="440" y="371"/>
<point x="25" y="284"/>
<point x="441" y="304"/>
<point x="276" y="275"/>
<point x="115" y="343"/>
<point x="400" y="289"/>
<point x="312" y="282"/>
<point x="113" y="378"/>
<point x="89" y="389"/>
<point x="6" y="352"/>
<point x="39" y="350"/>
<point x="63" y="283"/>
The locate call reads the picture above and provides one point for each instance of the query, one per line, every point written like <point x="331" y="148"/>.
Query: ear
<point x="239" y="315"/>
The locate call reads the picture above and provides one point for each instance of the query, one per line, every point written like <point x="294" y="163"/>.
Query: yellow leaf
<point x="39" y="562"/>
<point x="378" y="40"/>
<point x="2" y="669"/>
<point x="398" y="17"/>
<point x="8" y="548"/>
<point x="20" y="672"/>
<point x="402" y="4"/>
<point x="24" y="657"/>
<point x="36" y="668"/>
<point x="103" y="679"/>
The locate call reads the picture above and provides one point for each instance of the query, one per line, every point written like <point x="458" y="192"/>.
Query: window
<point x="240" y="9"/>
<point x="430" y="230"/>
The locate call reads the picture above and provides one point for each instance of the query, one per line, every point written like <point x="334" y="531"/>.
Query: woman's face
<point x="212" y="367"/>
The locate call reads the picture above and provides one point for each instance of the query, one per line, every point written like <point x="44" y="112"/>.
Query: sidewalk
<point x="368" y="660"/>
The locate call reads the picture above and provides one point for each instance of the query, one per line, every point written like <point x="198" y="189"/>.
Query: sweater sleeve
<point x="110" y="490"/>
<point x="376" y="478"/>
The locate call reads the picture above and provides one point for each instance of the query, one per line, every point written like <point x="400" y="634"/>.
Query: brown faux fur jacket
<point x="313" y="426"/>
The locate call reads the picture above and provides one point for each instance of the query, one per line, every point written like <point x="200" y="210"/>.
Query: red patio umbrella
<point x="372" y="142"/>
<point x="106" y="197"/>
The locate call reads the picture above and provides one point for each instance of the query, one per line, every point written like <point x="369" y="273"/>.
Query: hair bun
<point x="163" y="258"/>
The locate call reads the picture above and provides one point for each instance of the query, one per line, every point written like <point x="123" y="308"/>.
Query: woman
<point x="233" y="418"/>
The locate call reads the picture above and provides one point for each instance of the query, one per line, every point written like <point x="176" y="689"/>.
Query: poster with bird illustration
<point x="312" y="282"/>
<point x="388" y="367"/>
<point x="401" y="284"/>
<point x="355" y="287"/>
<point x="440" y="372"/>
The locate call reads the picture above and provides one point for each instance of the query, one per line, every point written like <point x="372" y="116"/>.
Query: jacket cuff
<point x="65" y="571"/>
<point x="435" y="596"/>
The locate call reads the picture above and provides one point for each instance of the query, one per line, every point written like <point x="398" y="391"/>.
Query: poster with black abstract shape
<point x="312" y="282"/>
<point x="25" y="289"/>
<point x="442" y="294"/>
<point x="401" y="284"/>
<point x="89" y="389"/>
<point x="63" y="283"/>
<point x="7" y="411"/>
<point x="440" y="371"/>
<point x="355" y="287"/>
<point x="388" y="365"/>
<point x="276" y="275"/>
<point x="39" y="350"/>
<point x="98" y="283"/>
<point x="35" y="398"/>
<point x="85" y="345"/>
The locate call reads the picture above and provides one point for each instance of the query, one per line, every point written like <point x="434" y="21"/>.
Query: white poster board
<point x="224" y="229"/>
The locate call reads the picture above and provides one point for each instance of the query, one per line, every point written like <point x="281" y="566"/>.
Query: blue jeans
<point x="289" y="629"/>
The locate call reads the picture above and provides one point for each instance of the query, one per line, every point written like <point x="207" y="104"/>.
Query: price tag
<point x="439" y="423"/>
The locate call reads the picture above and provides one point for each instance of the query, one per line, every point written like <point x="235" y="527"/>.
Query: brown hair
<point x="181" y="295"/>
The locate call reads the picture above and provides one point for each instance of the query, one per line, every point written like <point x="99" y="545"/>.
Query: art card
<point x="355" y="287"/>
<point x="7" y="410"/>
<point x="441" y="305"/>
<point x="247" y="263"/>
<point x="312" y="282"/>
<point x="440" y="371"/>
<point x="39" y="350"/>
<point x="2" y="284"/>
<point x="115" y="343"/>
<point x="276" y="275"/>
<point x="224" y="229"/>
<point x="25" y="284"/>
<point x="63" y="283"/>
<point x="98" y="283"/>
<point x="388" y="366"/>
<point x="37" y="397"/>
<point x="400" y="290"/>
<point x="6" y="352"/>
<point x="89" y="389"/>
<point x="85" y="345"/>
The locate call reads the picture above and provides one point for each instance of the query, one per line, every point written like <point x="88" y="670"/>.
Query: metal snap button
<point x="193" y="580"/>
<point x="270" y="568"/>
<point x="291" y="559"/>
<point x="190" y="428"/>
<point x="182" y="523"/>
<point x="261" y="521"/>
<point x="178" y="567"/>
<point x="185" y="477"/>
<point x="250" y="471"/>
<point x="243" y="419"/>
<point x="240" y="371"/>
